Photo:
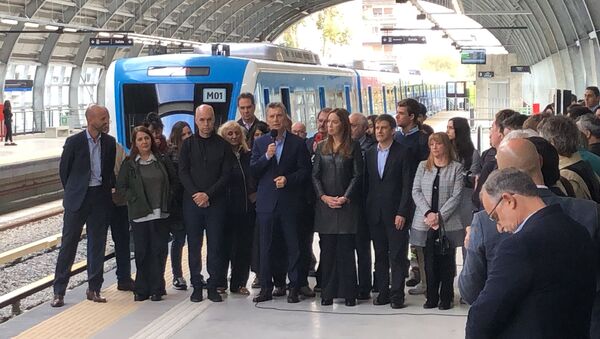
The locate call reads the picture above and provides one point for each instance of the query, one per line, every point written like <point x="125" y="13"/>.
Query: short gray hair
<point x="277" y="105"/>
<point x="589" y="122"/>
<point x="509" y="180"/>
<point x="519" y="134"/>
<point x="562" y="133"/>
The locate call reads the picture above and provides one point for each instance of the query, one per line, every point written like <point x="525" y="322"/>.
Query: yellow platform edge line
<point x="87" y="318"/>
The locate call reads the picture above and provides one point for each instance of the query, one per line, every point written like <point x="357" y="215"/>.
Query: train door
<point x="311" y="110"/>
<point x="285" y="99"/>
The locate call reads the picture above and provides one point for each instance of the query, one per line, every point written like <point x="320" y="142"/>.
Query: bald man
<point x="359" y="126"/>
<point x="86" y="172"/>
<point x="483" y="238"/>
<point x="205" y="164"/>
<point x="299" y="129"/>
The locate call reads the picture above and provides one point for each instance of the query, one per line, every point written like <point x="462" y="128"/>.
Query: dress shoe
<point x="350" y="302"/>
<point x="139" y="297"/>
<point x="156" y="297"/>
<point x="307" y="292"/>
<point x="429" y="304"/>
<point x="364" y="295"/>
<point x="293" y="296"/>
<point x="126" y="285"/>
<point x="412" y="282"/>
<point x="262" y="297"/>
<point x="58" y="301"/>
<point x="381" y="300"/>
<point x="397" y="302"/>
<point x="179" y="283"/>
<point x="196" y="296"/>
<point x="240" y="290"/>
<point x="418" y="289"/>
<point x="94" y="296"/>
<point x="445" y="305"/>
<point x="279" y="292"/>
<point x="255" y="283"/>
<point x="214" y="296"/>
<point x="326" y="302"/>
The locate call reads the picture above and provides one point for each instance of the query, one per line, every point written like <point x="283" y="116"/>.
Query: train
<point x="173" y="85"/>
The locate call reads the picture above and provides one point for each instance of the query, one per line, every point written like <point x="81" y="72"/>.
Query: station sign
<point x="486" y="74"/>
<point x="403" y="39"/>
<point x="520" y="69"/>
<point x="13" y="85"/>
<point x="110" y="42"/>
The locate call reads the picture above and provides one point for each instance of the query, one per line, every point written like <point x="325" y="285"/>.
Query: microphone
<point x="273" y="134"/>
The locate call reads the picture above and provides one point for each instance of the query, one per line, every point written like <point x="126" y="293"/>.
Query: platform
<point x="236" y="317"/>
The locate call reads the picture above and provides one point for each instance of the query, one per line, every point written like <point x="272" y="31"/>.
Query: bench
<point x="55" y="132"/>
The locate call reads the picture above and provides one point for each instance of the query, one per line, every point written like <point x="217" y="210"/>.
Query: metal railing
<point x="27" y="120"/>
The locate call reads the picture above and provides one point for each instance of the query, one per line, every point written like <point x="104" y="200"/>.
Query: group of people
<point x="260" y="190"/>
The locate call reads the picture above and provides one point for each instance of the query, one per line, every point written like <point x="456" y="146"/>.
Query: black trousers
<point x="151" y="239"/>
<point x="239" y="235"/>
<point x="281" y="223"/>
<point x="365" y="262"/>
<point x="338" y="267"/>
<point x="305" y="237"/>
<point x="177" y="250"/>
<point x="391" y="253"/>
<point x="197" y="220"/>
<point x="94" y="212"/>
<point x="440" y="271"/>
<point x="279" y="266"/>
<point x="119" y="230"/>
<point x="9" y="131"/>
<point x="595" y="323"/>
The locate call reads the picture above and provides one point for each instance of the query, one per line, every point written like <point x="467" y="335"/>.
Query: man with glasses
<point x="482" y="241"/>
<point x="529" y="291"/>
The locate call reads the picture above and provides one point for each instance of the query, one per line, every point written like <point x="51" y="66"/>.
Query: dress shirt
<point x="95" y="160"/>
<point x="382" y="155"/>
<point x="279" y="146"/>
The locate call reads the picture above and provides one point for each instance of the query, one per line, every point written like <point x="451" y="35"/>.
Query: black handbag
<point x="442" y="243"/>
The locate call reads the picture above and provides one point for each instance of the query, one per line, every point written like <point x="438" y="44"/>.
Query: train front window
<point x="173" y="103"/>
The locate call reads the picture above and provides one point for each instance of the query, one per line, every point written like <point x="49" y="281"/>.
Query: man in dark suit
<point x="483" y="239"/>
<point x="281" y="164"/>
<point x="542" y="281"/>
<point x="86" y="172"/>
<point x="359" y="125"/>
<point x="246" y="106"/>
<point x="311" y="143"/>
<point x="389" y="205"/>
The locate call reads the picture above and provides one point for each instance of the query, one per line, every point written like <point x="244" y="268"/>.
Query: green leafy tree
<point x="332" y="31"/>
<point x="290" y="36"/>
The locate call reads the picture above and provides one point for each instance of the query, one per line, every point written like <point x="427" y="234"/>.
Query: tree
<point x="331" y="31"/>
<point x="290" y="36"/>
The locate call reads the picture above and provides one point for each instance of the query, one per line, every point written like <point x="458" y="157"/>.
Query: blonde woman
<point x="437" y="192"/>
<point x="241" y="196"/>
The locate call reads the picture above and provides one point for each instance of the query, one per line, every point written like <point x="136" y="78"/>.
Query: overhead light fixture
<point x="104" y="34"/>
<point x="9" y="21"/>
<point x="445" y="36"/>
<point x="187" y="44"/>
<point x="421" y="16"/>
<point x="69" y="30"/>
<point x="118" y="36"/>
<point x="52" y="28"/>
<point x="31" y="24"/>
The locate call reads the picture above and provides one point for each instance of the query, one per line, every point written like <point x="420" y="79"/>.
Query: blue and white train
<point x="173" y="85"/>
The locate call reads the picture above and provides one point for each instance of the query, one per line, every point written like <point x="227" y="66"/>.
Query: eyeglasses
<point x="491" y="214"/>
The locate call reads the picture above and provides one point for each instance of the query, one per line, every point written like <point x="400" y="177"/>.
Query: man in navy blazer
<point x="542" y="281"/>
<point x="87" y="175"/>
<point x="281" y="164"/>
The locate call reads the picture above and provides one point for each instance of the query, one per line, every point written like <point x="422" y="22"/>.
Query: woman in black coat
<point x="336" y="175"/>
<point x="8" y="115"/>
<point x="241" y="196"/>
